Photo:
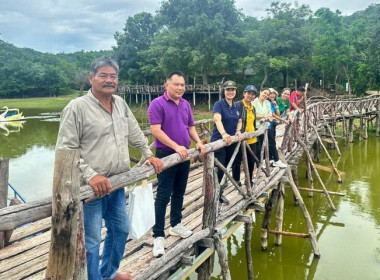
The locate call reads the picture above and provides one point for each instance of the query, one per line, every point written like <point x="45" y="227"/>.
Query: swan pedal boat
<point x="8" y="115"/>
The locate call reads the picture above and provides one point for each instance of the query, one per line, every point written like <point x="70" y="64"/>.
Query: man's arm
<point x="161" y="136"/>
<point x="194" y="135"/>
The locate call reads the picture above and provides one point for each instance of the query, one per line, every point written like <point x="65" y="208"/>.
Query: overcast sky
<point x="73" y="25"/>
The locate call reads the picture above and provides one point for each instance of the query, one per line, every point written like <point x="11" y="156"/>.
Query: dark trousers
<point x="224" y="156"/>
<point x="251" y="161"/>
<point x="171" y="186"/>
<point x="273" y="154"/>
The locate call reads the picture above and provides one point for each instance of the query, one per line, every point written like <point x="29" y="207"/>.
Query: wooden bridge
<point x="35" y="251"/>
<point x="144" y="93"/>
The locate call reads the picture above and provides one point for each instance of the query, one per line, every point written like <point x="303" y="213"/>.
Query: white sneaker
<point x="271" y="161"/>
<point x="158" y="247"/>
<point x="280" y="164"/>
<point x="180" y="230"/>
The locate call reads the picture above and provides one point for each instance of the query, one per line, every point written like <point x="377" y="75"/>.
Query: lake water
<point x="349" y="239"/>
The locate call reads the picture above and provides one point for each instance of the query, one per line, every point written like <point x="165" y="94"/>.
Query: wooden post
<point x="327" y="154"/>
<point x="351" y="130"/>
<point x="294" y="171"/>
<point x="247" y="172"/>
<point x="4" y="175"/>
<point x="378" y="118"/>
<point x="211" y="197"/>
<point x="279" y="213"/>
<point x="316" y="173"/>
<point x="194" y="93"/>
<point x="309" y="223"/>
<point x="305" y="123"/>
<point x="361" y="128"/>
<point x="271" y="203"/>
<point x="66" y="220"/>
<point x="366" y="125"/>
<point x="209" y="98"/>
<point x="223" y="261"/>
<point x="248" y="251"/>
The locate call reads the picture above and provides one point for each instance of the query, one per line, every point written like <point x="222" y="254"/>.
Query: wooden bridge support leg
<point x="309" y="224"/>
<point x="327" y="154"/>
<point x="365" y="136"/>
<point x="351" y="130"/>
<point x="280" y="214"/>
<point x="317" y="174"/>
<point x="378" y="124"/>
<point x="248" y="251"/>
<point x="223" y="261"/>
<point x="66" y="222"/>
<point x="294" y="171"/>
<point x="361" y="128"/>
<point x="210" y="211"/>
<point x="267" y="216"/>
<point x="4" y="175"/>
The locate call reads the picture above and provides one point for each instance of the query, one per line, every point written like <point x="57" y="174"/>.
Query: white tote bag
<point x="141" y="210"/>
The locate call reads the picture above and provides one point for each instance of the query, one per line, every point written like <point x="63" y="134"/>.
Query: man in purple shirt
<point x="172" y="125"/>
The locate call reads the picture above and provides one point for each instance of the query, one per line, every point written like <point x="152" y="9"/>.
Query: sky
<point x="57" y="26"/>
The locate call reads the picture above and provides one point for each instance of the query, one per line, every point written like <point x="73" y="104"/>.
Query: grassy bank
<point x="53" y="103"/>
<point x="58" y="103"/>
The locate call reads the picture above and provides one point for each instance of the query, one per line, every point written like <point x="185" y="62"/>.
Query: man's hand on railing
<point x="182" y="151"/>
<point x="100" y="185"/>
<point x="156" y="162"/>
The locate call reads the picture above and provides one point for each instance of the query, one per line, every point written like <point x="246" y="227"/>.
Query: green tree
<point x="194" y="36"/>
<point x="137" y="35"/>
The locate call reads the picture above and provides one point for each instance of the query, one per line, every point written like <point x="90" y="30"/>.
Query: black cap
<point x="229" y="84"/>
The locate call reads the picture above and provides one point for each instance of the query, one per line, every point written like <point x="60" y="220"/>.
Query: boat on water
<point x="8" y="115"/>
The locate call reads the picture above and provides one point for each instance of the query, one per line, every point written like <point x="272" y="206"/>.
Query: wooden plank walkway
<point x="27" y="259"/>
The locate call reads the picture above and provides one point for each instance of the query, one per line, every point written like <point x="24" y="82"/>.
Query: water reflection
<point x="9" y="127"/>
<point x="349" y="238"/>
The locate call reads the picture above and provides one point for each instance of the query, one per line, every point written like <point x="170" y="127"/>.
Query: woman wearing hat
<point x="248" y="117"/>
<point x="227" y="122"/>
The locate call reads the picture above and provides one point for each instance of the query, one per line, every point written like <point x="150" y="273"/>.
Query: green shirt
<point x="283" y="105"/>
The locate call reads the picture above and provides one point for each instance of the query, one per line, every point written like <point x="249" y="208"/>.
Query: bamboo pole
<point x="317" y="174"/>
<point x="309" y="224"/>
<point x="327" y="154"/>
<point x="279" y="214"/>
<point x="248" y="251"/>
<point x="4" y="175"/>
<point x="66" y="219"/>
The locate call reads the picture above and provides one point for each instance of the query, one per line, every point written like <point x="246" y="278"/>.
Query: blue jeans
<point x="171" y="185"/>
<point x="112" y="209"/>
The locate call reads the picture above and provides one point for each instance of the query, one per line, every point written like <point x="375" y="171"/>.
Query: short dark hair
<point x="171" y="74"/>
<point x="302" y="89"/>
<point x="101" y="62"/>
